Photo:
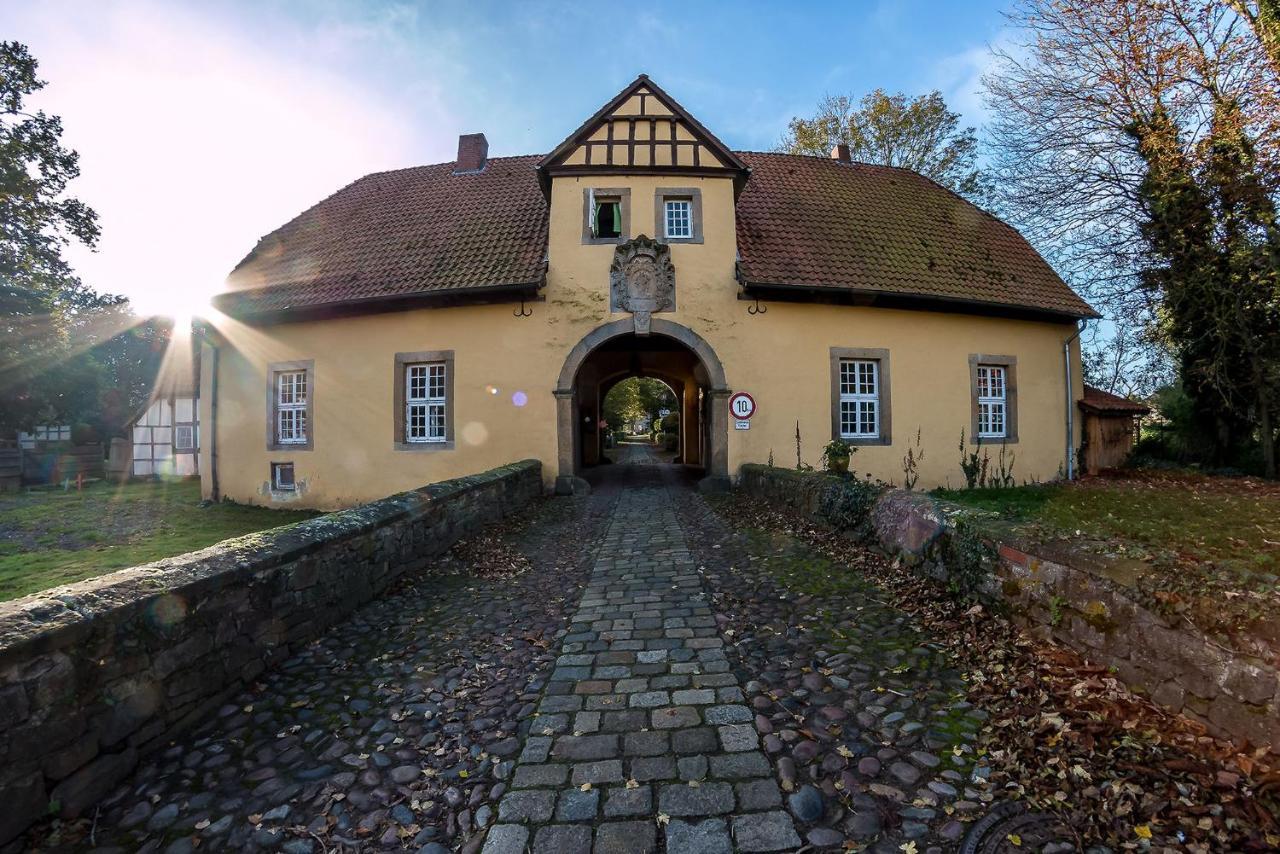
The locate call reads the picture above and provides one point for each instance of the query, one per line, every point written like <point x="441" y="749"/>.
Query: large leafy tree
<point x="635" y="398"/>
<point x="919" y="133"/>
<point x="44" y="307"/>
<point x="1137" y="144"/>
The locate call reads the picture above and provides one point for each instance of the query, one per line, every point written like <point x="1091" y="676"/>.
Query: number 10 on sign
<point x="742" y="406"/>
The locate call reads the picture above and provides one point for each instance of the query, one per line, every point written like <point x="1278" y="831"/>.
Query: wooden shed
<point x="1110" y="429"/>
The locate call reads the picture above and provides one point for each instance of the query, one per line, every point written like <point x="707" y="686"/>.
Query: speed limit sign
<point x="742" y="405"/>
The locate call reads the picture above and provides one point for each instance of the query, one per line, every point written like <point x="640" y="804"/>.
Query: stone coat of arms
<point x="642" y="280"/>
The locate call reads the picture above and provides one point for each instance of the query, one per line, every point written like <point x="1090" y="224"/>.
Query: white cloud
<point x="197" y="137"/>
<point x="959" y="77"/>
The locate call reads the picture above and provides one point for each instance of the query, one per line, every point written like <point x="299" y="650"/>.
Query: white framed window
<point x="679" y="218"/>
<point x="425" y="395"/>
<point x="993" y="418"/>
<point x="859" y="399"/>
<point x="291" y="407"/>
<point x="282" y="477"/>
<point x="184" y="437"/>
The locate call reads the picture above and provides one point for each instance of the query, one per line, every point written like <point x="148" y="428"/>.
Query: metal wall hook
<point x="757" y="308"/>
<point x="522" y="311"/>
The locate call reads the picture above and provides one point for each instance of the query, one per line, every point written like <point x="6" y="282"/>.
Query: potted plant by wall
<point x="835" y="456"/>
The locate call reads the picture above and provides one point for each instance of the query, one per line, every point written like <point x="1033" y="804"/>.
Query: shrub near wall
<point x="95" y="674"/>
<point x="1076" y="598"/>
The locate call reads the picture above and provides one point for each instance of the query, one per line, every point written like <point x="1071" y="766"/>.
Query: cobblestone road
<point x="643" y="730"/>
<point x="648" y="682"/>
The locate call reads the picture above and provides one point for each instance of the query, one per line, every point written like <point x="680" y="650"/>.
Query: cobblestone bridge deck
<point x="598" y="701"/>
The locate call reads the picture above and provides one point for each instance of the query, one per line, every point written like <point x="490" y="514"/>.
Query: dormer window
<point x="608" y="218"/>
<point x="677" y="214"/>
<point x="606" y="215"/>
<point x="679" y="219"/>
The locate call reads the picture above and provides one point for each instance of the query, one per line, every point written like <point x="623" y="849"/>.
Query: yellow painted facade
<point x="506" y="368"/>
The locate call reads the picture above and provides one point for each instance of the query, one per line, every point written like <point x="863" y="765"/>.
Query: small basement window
<point x="282" y="477"/>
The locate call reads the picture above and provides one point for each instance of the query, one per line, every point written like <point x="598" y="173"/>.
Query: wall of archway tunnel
<point x="671" y="353"/>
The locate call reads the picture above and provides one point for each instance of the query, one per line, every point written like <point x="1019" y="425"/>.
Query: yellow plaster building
<point x="436" y="321"/>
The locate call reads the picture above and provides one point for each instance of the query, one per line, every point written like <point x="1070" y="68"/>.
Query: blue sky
<point x="202" y="126"/>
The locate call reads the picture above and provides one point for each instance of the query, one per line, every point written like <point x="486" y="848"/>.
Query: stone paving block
<point x="738" y="737"/>
<point x="681" y="799"/>
<point x="506" y="839"/>
<point x="693" y="697"/>
<point x="695" y="740"/>
<point x="551" y="705"/>
<point x="625" y="720"/>
<point x="604" y="771"/>
<point x="580" y="747"/>
<point x="621" y="801"/>
<point x="593" y="686"/>
<point x="714" y="680"/>
<point x="626" y="837"/>
<point x="692" y="767"/>
<point x="538" y="776"/>
<point x="586" y="722"/>
<point x="550" y="724"/>
<point x="651" y="743"/>
<point x="728" y="715"/>
<point x="675" y="717"/>
<point x="649" y="699"/>
<point x="606" y="702"/>
<point x="536" y="749"/>
<point x="735" y="766"/>
<point x="577" y="805"/>
<point x="765" y="831"/>
<point x="651" y="656"/>
<point x="562" y="839"/>
<point x="529" y="806"/>
<point x="710" y="836"/>
<point x="653" y="768"/>
<point x="758" y="795"/>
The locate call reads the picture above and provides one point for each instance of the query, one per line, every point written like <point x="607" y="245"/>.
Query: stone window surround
<point x="873" y="354"/>
<point x="693" y="195"/>
<point x="274" y="368"/>
<point x="402" y="360"/>
<point x="623" y="195"/>
<point x="1010" y="365"/>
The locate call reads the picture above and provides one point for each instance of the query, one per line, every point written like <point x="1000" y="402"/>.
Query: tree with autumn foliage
<point x="920" y="134"/>
<point x="1137" y="144"/>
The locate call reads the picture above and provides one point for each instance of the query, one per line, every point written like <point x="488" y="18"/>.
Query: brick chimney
<point x="473" y="152"/>
<point x="841" y="153"/>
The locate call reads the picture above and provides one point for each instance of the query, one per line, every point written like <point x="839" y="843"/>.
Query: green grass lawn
<point x="1224" y="521"/>
<point x="1212" y="544"/>
<point x="50" y="537"/>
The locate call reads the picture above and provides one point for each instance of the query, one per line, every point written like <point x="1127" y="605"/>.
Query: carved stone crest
<point x="642" y="280"/>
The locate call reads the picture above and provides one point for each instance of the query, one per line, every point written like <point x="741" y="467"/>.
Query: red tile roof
<point x="1097" y="400"/>
<point x="805" y="222"/>
<point x="832" y="226"/>
<point x="407" y="233"/>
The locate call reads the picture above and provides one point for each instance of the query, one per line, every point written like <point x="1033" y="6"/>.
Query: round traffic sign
<point x="742" y="405"/>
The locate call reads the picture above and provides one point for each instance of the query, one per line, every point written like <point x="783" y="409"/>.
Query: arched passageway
<point x="671" y="353"/>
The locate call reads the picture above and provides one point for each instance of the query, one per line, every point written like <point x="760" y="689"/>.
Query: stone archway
<point x="714" y="386"/>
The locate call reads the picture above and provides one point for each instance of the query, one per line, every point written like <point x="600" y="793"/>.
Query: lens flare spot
<point x="475" y="433"/>
<point x="168" y="610"/>
<point x="519" y="398"/>
<point x="492" y="389"/>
